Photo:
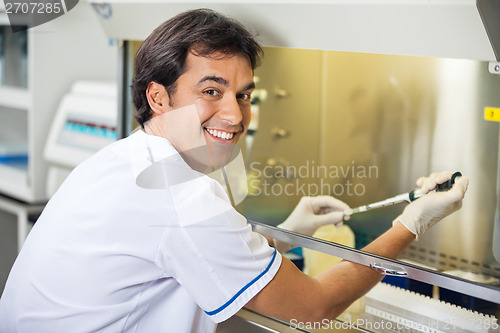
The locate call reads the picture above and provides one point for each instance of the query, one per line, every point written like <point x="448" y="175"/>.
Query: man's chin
<point x="209" y="158"/>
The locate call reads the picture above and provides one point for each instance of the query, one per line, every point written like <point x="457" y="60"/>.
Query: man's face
<point x="220" y="87"/>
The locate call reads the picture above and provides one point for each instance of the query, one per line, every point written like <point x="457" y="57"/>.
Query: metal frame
<point x="22" y="211"/>
<point x="124" y="116"/>
<point x="368" y="259"/>
<point x="489" y="10"/>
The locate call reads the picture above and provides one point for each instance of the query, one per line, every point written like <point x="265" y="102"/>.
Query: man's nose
<point x="231" y="111"/>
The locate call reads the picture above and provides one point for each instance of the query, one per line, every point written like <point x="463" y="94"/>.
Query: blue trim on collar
<point x="225" y="305"/>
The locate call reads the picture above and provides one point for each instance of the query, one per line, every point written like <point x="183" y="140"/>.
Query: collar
<point x="146" y="152"/>
<point x="156" y="164"/>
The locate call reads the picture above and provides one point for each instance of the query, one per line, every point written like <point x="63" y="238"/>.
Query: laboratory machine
<point x="86" y="121"/>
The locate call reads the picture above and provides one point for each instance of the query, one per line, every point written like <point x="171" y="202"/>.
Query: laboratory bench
<point x="251" y="322"/>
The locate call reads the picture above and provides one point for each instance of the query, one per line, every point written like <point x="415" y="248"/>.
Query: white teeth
<point x="220" y="134"/>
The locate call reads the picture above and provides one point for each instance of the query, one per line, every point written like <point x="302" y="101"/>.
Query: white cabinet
<point x="37" y="67"/>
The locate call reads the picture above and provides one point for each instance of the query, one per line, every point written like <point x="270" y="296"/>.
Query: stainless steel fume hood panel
<point x="433" y="28"/>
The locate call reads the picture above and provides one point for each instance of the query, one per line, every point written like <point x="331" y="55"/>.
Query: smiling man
<point x="219" y="87"/>
<point x="140" y="239"/>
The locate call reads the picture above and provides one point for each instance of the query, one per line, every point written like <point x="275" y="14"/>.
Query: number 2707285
<point x="33" y="8"/>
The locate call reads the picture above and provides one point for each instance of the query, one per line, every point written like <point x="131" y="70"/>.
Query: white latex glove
<point x="310" y="214"/>
<point x="427" y="210"/>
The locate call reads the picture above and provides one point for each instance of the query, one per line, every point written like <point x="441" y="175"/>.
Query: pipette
<point x="408" y="197"/>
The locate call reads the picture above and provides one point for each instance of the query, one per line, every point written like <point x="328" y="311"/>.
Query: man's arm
<point x="294" y="295"/>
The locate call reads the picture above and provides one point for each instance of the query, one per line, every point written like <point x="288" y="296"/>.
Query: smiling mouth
<point x="220" y="135"/>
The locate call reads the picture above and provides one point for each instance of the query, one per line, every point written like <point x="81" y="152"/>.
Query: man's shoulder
<point x="116" y="151"/>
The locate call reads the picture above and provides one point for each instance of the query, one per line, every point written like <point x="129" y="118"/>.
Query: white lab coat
<point x="108" y="255"/>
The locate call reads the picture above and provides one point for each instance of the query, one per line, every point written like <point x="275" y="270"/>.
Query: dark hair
<point x="162" y="56"/>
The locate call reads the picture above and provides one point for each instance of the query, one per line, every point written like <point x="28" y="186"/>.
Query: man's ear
<point x="157" y="97"/>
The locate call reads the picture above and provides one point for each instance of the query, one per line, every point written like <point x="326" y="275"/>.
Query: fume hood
<point x="456" y="30"/>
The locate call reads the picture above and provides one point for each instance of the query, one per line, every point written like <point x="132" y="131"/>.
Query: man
<point x="140" y="239"/>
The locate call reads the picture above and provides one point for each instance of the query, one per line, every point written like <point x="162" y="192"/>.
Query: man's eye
<point x="212" y="92"/>
<point x="245" y="97"/>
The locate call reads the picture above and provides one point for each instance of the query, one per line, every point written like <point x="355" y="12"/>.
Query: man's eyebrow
<point x="249" y="86"/>
<point x="222" y="81"/>
<point x="214" y="78"/>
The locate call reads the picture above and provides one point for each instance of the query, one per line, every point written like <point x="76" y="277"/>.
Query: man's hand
<point x="310" y="214"/>
<point x="426" y="211"/>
